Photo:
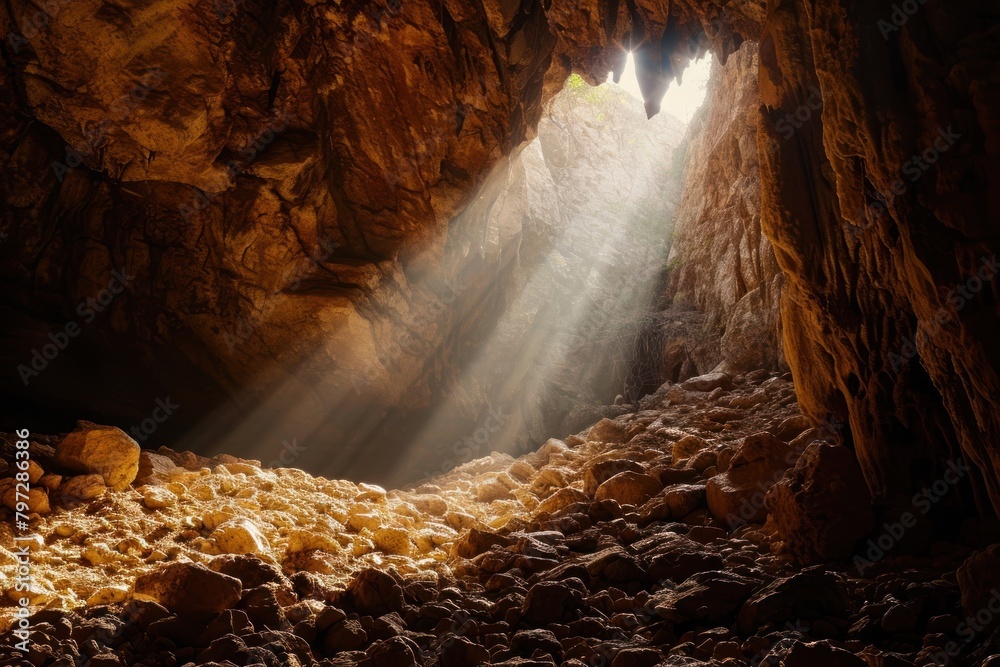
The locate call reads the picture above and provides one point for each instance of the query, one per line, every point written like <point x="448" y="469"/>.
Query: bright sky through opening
<point x="680" y="101"/>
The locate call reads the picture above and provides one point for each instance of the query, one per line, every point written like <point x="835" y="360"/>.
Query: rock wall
<point x="720" y="262"/>
<point x="277" y="175"/>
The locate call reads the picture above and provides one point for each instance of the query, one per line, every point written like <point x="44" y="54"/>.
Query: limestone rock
<point x="709" y="382"/>
<point x="822" y="506"/>
<point x="737" y="495"/>
<point x="628" y="488"/>
<point x="240" y="536"/>
<point x="600" y="472"/>
<point x="82" y="488"/>
<point x="104" y="450"/>
<point x="188" y="588"/>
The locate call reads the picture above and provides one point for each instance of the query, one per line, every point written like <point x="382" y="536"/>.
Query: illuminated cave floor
<point x="598" y="549"/>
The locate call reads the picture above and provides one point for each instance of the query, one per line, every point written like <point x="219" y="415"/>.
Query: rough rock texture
<point x="246" y="183"/>
<point x="821" y="507"/>
<point x="104" y="450"/>
<point x="509" y="582"/>
<point x="721" y="264"/>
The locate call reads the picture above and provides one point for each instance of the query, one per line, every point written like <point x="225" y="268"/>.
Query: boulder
<point x="104" y="450"/>
<point x="628" y="488"/>
<point x="822" y="507"/>
<point x="737" y="495"/>
<point x="188" y="588"/>
<point x="602" y="471"/>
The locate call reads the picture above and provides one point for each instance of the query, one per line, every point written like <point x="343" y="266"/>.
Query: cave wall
<point x="883" y="212"/>
<point x="721" y="264"/>
<point x="281" y="176"/>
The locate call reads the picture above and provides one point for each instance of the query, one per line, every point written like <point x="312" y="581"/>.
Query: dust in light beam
<point x="681" y="101"/>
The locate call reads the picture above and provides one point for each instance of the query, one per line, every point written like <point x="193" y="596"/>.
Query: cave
<point x="424" y="332"/>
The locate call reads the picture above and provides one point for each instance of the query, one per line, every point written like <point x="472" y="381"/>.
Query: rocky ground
<point x="678" y="534"/>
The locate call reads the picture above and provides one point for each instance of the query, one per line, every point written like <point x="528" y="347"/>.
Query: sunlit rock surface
<point x="721" y="264"/>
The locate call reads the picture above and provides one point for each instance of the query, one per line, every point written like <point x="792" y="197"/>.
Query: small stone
<point x="157" y="497"/>
<point x="108" y="595"/>
<point x="82" y="488"/>
<point x="687" y="447"/>
<point x="607" y="430"/>
<point x="35" y="472"/>
<point x="393" y="541"/>
<point x="600" y="472"/>
<point x="37" y="500"/>
<point x="105" y="450"/>
<point x="240" y="536"/>
<point x="708" y="382"/>
<point x="50" y="481"/>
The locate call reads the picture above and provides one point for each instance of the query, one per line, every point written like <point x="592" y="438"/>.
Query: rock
<point x="803" y="595"/>
<point x="628" y="488"/>
<point x="250" y="570"/>
<point x="240" y="536"/>
<point x="394" y="652"/>
<point x="35" y="472"/>
<point x="347" y="635"/>
<point x="549" y="602"/>
<point x="709" y="382"/>
<point x="737" y="495"/>
<point x="705" y="596"/>
<point x="526" y="642"/>
<point x="607" y="430"/>
<point x="637" y="657"/>
<point x="684" y="499"/>
<point x="476" y="541"/>
<point x="374" y="593"/>
<point x="82" y="488"/>
<point x="600" y="472"/>
<point x="393" y="541"/>
<point x="821" y="508"/>
<point x="687" y="447"/>
<point x="561" y="499"/>
<point x="104" y="450"/>
<point x="979" y="582"/>
<point x="37" y="499"/>
<point x="675" y="557"/>
<point x="188" y="588"/>
<point x="820" y="654"/>
<point x="461" y="652"/>
<point x="156" y="497"/>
